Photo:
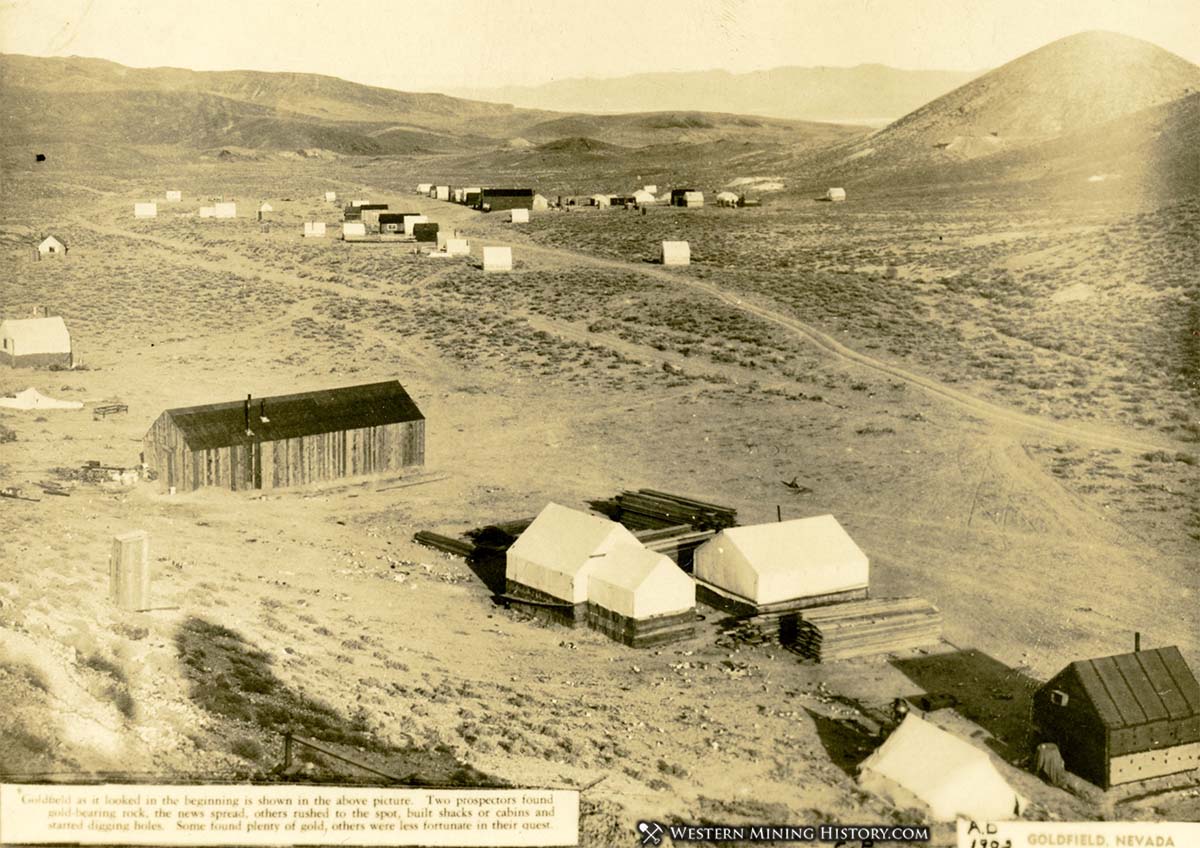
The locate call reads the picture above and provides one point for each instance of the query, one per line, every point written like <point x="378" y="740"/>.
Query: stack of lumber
<point x="679" y="543"/>
<point x="649" y="509"/>
<point x="863" y="628"/>
<point x="457" y="547"/>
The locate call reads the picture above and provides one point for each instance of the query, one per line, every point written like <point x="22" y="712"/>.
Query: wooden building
<point x="687" y="197"/>
<point x="287" y="440"/>
<point x="498" y="199"/>
<point x="1123" y="718"/>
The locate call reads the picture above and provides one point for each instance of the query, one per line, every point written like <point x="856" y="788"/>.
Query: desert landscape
<point x="985" y="363"/>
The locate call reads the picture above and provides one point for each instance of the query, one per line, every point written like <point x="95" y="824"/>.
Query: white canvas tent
<point x="922" y="765"/>
<point x="225" y="210"/>
<point x="314" y="229"/>
<point x="651" y="188"/>
<point x="208" y="211"/>
<point x="423" y="188"/>
<point x="497" y="259"/>
<point x="518" y="216"/>
<point x="331" y="197"/>
<point x="31" y="398"/>
<point x="601" y="199"/>
<point x="51" y="244"/>
<point x="145" y="210"/>
<point x="693" y="198"/>
<point x="644" y="197"/>
<point x="836" y="194"/>
<point x="638" y="583"/>
<point x="458" y="247"/>
<point x="558" y="552"/>
<point x="35" y="342"/>
<point x="763" y="564"/>
<point x="174" y="196"/>
<point x="441" y="192"/>
<point x="675" y="253"/>
<point x="727" y="198"/>
<point x="354" y="229"/>
<point x="266" y="207"/>
<point x="540" y="203"/>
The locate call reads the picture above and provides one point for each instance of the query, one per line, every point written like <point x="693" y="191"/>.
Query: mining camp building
<point x="35" y="343"/>
<point x="1123" y="718"/>
<point x="287" y="440"/>
<point x="51" y="245"/>
<point x="498" y="199"/>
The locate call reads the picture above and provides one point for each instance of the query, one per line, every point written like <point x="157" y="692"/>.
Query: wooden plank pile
<point x="679" y="543"/>
<point x="649" y="509"/>
<point x="864" y="628"/>
<point x="446" y="544"/>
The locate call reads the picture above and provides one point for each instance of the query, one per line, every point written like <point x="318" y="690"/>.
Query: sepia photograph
<point x="581" y="423"/>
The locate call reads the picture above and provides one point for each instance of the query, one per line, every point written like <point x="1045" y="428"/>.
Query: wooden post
<point x="129" y="571"/>
<point x="287" y="749"/>
<point x="778" y="512"/>
<point x="1137" y="641"/>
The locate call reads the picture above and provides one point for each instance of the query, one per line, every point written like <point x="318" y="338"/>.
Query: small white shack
<point x="836" y="195"/>
<point x="922" y="766"/>
<point x="602" y="200"/>
<point x="551" y="562"/>
<point x="458" y="247"/>
<point x="783" y="566"/>
<point x="424" y="188"/>
<point x="354" y="230"/>
<point x="641" y="598"/>
<point x="35" y="343"/>
<point x="441" y="192"/>
<point x="331" y="197"/>
<point x="227" y="209"/>
<point x="145" y="210"/>
<point x="411" y="221"/>
<point x="518" y="216"/>
<point x="51" y="246"/>
<point x="174" y="196"/>
<point x="727" y="198"/>
<point x="675" y="253"/>
<point x="208" y="211"/>
<point x="314" y="229"/>
<point x="497" y="259"/>
<point x="643" y="197"/>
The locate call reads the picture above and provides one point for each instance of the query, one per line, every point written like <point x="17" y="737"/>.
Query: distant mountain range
<point x="873" y="94"/>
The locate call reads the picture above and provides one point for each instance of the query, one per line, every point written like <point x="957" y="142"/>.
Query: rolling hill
<point x="863" y="94"/>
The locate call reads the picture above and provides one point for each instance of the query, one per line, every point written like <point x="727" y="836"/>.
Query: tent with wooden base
<point x="551" y="562"/>
<point x="784" y="565"/>
<point x="641" y="598"/>
<point x="921" y="765"/>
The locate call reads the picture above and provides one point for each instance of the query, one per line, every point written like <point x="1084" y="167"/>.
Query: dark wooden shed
<point x="497" y="199"/>
<point x="425" y="232"/>
<point x="287" y="440"/>
<point x="393" y="222"/>
<point x="1123" y="718"/>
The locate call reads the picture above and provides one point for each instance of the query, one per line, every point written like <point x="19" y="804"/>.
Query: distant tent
<point x="652" y="189"/>
<point x="497" y="259"/>
<point x="31" y="398"/>
<point x="264" y="211"/>
<point x="423" y="188"/>
<point x="35" y="343"/>
<point x="145" y="210"/>
<point x="314" y="229"/>
<point x="540" y="203"/>
<point x="922" y="765"/>
<point x="208" y="212"/>
<point x="641" y="597"/>
<point x="836" y="194"/>
<point x="331" y="197"/>
<point x="51" y="245"/>
<point x="601" y="199"/>
<point x="458" y="195"/>
<point x="642" y="197"/>
<point x="458" y="247"/>
<point x="225" y="210"/>
<point x="727" y="198"/>
<point x="353" y="230"/>
<point x="174" y="196"/>
<point x="686" y="197"/>
<point x="441" y="192"/>
<point x="552" y="560"/>
<point x="807" y="560"/>
<point x="518" y="216"/>
<point x="357" y="203"/>
<point x="675" y="253"/>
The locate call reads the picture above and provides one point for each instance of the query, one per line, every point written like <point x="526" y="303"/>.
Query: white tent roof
<point x="950" y="776"/>
<point x="769" y="563"/>
<point x="726" y="195"/>
<point x="638" y="583"/>
<point x="559" y="549"/>
<point x="266" y="207"/>
<point x="643" y="196"/>
<point x="51" y="240"/>
<point x="36" y="335"/>
<point x="31" y="398"/>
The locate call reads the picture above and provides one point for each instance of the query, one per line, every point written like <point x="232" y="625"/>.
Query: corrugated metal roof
<point x="1133" y="689"/>
<point x="218" y="425"/>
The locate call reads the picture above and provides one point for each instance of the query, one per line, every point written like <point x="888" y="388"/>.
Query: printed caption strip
<point x="1108" y="834"/>
<point x="132" y="814"/>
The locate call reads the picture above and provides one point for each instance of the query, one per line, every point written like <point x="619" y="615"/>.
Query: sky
<point x="461" y="44"/>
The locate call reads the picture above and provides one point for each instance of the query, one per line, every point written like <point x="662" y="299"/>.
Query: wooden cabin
<point x="287" y="440"/>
